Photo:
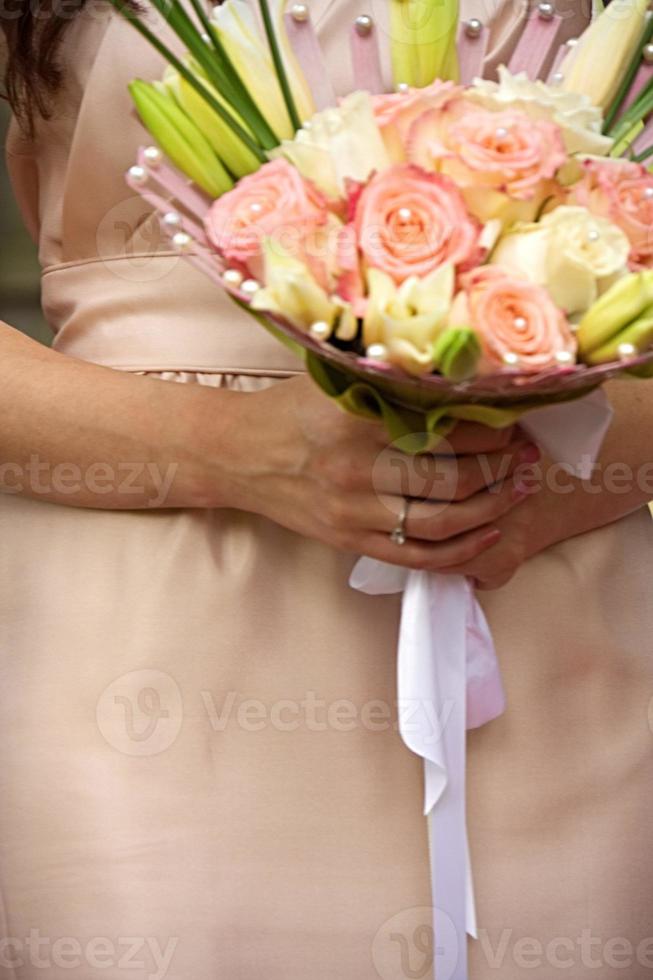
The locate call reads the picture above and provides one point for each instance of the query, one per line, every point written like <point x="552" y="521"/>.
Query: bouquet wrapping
<point x="449" y="248"/>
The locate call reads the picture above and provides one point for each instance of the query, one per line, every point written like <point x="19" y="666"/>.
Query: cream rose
<point x="576" y="255"/>
<point x="623" y="192"/>
<point x="340" y="143"/>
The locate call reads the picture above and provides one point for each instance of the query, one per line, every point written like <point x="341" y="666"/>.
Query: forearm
<point x="622" y="480"/>
<point x="79" y="434"/>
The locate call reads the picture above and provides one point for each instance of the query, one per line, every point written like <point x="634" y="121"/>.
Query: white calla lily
<point x="236" y="27"/>
<point x="596" y="65"/>
<point x="231" y="150"/>
<point x="292" y="293"/>
<point x="408" y="319"/>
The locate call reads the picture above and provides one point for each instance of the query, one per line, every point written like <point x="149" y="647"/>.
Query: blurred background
<point x="19" y="269"/>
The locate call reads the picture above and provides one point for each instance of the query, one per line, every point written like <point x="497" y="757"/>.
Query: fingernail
<point x="519" y="491"/>
<point x="530" y="454"/>
<point x="491" y="537"/>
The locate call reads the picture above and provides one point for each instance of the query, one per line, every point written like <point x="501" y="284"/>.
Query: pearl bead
<point x="205" y="38"/>
<point x="564" y="357"/>
<point x="299" y="12"/>
<point x="256" y="208"/>
<point x="647" y="54"/>
<point x="171" y="219"/>
<point x="403" y="87"/>
<point x="520" y="323"/>
<point x="626" y="350"/>
<point x="250" y="287"/>
<point x="138" y="175"/>
<point x="232" y="277"/>
<point x="572" y="42"/>
<point x="546" y="10"/>
<point x="648" y="193"/>
<point x="153" y="155"/>
<point x="363" y="25"/>
<point x="510" y="358"/>
<point x="593" y="235"/>
<point x="377" y="352"/>
<point x="320" y="330"/>
<point x="473" y="27"/>
<point x="502" y="133"/>
<point x="182" y="241"/>
<point x="405" y="214"/>
<point x="557" y="78"/>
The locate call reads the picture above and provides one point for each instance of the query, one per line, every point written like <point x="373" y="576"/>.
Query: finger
<point x="469" y="438"/>
<point x="425" y="521"/>
<point x="489" y="571"/>
<point x="476" y="473"/>
<point x="424" y="556"/>
<point x="497" y="582"/>
<point x="440" y="521"/>
<point x="439" y="478"/>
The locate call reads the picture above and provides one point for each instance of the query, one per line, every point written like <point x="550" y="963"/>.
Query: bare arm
<point x="79" y="434"/>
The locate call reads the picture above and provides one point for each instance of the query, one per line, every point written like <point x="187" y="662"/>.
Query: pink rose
<point x="518" y="323"/>
<point x="275" y="202"/>
<point x="505" y="152"/>
<point x="408" y="222"/>
<point x="396" y="111"/>
<point x="623" y="192"/>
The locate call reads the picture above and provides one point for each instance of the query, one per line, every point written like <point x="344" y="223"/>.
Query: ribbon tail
<point x="432" y="673"/>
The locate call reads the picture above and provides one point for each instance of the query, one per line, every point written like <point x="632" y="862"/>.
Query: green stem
<point x="219" y="70"/>
<point x="641" y="157"/>
<point x="628" y="78"/>
<point x="172" y="59"/>
<point x="637" y="112"/>
<point x="279" y="65"/>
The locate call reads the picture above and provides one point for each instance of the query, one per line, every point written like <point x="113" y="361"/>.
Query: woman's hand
<point x="300" y="461"/>
<point x="525" y="531"/>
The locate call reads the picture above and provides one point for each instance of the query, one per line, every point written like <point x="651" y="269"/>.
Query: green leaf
<point x="628" y="79"/>
<point x="279" y="65"/>
<point x="173" y="60"/>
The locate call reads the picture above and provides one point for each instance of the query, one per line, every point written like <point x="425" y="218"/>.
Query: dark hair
<point x="34" y="29"/>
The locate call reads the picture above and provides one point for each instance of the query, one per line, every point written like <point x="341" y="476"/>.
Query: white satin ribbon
<point x="448" y="676"/>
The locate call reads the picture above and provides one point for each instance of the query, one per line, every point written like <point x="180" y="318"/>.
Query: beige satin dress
<point x="201" y="774"/>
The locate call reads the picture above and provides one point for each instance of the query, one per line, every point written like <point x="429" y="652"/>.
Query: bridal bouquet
<point x="447" y="250"/>
<point x="455" y="248"/>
